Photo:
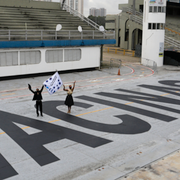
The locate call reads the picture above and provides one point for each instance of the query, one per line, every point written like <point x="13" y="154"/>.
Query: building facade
<point x="102" y="12"/>
<point x="92" y="12"/>
<point x="148" y="27"/>
<point x="77" y="5"/>
<point x="97" y="12"/>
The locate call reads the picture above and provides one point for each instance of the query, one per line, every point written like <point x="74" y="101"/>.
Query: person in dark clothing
<point x="37" y="97"/>
<point x="69" y="99"/>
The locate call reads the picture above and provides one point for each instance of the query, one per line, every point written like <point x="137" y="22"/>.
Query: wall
<point x="153" y="39"/>
<point x="55" y="43"/>
<point x="90" y="58"/>
<point x="122" y="24"/>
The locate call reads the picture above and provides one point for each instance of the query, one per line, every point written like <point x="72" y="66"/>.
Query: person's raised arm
<point x="64" y="88"/>
<point x="74" y="85"/>
<point x="29" y="86"/>
<point x="42" y="88"/>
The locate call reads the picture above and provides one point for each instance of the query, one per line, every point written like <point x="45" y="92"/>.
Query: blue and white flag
<point x="53" y="84"/>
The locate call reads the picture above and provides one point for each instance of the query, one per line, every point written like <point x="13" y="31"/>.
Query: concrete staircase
<point x="172" y="32"/>
<point x="17" y="17"/>
<point x="172" y="29"/>
<point x="27" y="18"/>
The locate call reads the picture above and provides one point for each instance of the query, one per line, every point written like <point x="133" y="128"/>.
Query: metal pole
<point x="134" y="9"/>
<point x="63" y="2"/>
<point x="41" y="35"/>
<point x="101" y="57"/>
<point x="55" y="35"/>
<point x="69" y="34"/>
<point x="118" y="43"/>
<point x="9" y="35"/>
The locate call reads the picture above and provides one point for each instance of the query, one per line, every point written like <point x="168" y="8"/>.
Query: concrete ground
<point x="123" y="126"/>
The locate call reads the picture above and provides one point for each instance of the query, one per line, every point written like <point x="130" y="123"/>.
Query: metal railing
<point x="87" y="20"/>
<point x="136" y="19"/>
<point x="115" y="63"/>
<point x="118" y="50"/>
<point x="10" y="35"/>
<point x="172" y="42"/>
<point x="130" y="11"/>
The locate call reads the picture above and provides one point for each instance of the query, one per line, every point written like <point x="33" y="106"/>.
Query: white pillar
<point x="153" y="31"/>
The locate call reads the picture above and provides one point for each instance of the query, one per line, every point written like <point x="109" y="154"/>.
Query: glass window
<point x="150" y="9"/>
<point x="9" y="58"/>
<point x="149" y="26"/>
<point x="72" y="55"/>
<point x="30" y="57"/>
<point x="158" y="25"/>
<point x="154" y="25"/>
<point x="159" y="9"/>
<point x="54" y="56"/>
<point x="155" y="8"/>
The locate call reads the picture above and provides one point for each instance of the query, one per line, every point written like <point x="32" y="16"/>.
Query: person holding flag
<point x="69" y="99"/>
<point x="38" y="98"/>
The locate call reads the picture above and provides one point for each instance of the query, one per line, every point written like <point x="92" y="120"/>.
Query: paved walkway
<point x="121" y="127"/>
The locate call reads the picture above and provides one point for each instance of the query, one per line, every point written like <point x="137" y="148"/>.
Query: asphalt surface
<point x="121" y="127"/>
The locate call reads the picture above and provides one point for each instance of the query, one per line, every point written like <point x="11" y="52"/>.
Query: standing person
<point x="69" y="99"/>
<point x="38" y="98"/>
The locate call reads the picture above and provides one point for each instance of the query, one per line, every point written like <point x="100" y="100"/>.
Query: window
<point x="30" y="57"/>
<point x="155" y="8"/>
<point x="53" y="56"/>
<point x="163" y="9"/>
<point x="150" y="9"/>
<point x="159" y="9"/>
<point x="72" y="55"/>
<point x="156" y="26"/>
<point x="149" y="26"/>
<point x="76" y="5"/>
<point x="9" y="58"/>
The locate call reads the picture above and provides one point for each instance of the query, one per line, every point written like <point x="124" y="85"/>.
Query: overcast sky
<point x="111" y="6"/>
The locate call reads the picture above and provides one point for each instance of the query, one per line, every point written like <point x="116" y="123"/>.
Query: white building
<point x="154" y="18"/>
<point x="77" y="5"/>
<point x="97" y="12"/>
<point x="92" y="11"/>
<point x="102" y="12"/>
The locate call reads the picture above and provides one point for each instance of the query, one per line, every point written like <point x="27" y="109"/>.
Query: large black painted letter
<point x="130" y="125"/>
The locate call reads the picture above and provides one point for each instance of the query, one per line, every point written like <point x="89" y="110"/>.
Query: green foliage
<point x="99" y="20"/>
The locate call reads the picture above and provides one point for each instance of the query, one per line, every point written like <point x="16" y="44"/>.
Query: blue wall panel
<point x="56" y="43"/>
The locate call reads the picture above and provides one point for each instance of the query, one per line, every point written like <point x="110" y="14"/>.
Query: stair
<point x="20" y="19"/>
<point x="172" y="29"/>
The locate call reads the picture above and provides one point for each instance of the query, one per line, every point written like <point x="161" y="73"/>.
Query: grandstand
<point x="36" y="18"/>
<point x="29" y="42"/>
<point x="30" y="18"/>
